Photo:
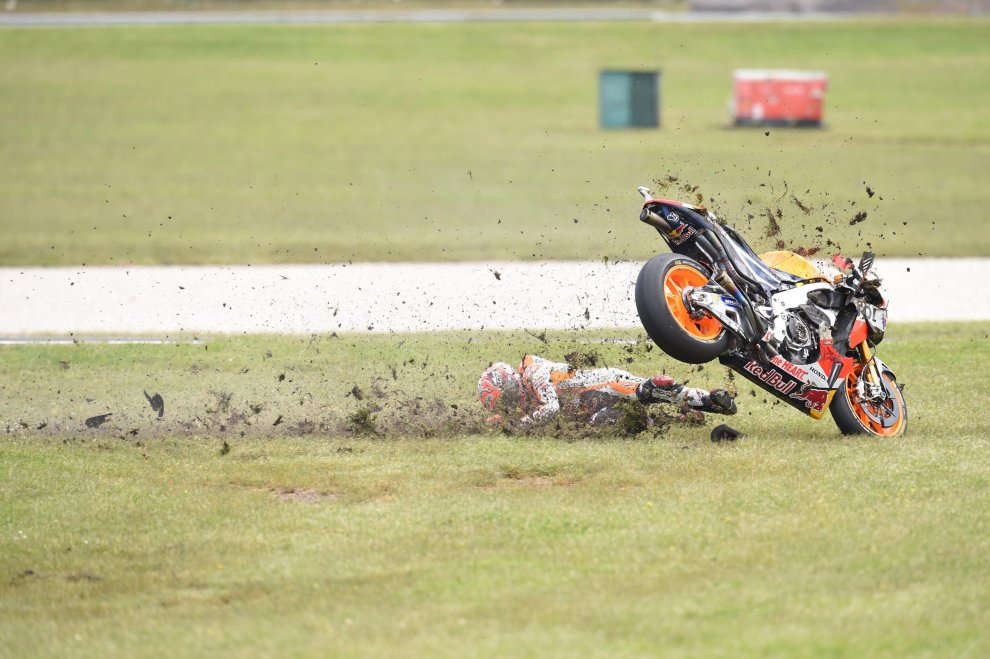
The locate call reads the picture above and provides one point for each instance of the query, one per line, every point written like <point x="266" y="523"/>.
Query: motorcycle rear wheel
<point x="660" y="303"/>
<point x="855" y="416"/>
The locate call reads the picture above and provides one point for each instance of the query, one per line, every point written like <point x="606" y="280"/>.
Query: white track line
<point x="397" y="297"/>
<point x="113" y="341"/>
<point x="333" y="17"/>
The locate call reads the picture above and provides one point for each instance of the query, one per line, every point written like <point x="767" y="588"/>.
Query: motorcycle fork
<point x="870" y="371"/>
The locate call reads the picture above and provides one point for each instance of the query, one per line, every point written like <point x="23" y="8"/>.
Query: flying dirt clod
<point x="157" y="403"/>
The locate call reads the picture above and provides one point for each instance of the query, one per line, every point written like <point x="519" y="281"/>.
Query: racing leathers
<point x="596" y="394"/>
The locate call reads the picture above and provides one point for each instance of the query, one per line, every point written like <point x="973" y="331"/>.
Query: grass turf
<point x="342" y="5"/>
<point x="791" y="541"/>
<point x="232" y="144"/>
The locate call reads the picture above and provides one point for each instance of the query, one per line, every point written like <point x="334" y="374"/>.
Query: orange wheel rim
<point x="870" y="414"/>
<point x="677" y="279"/>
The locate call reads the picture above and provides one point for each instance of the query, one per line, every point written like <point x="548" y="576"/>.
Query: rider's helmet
<point x="499" y="384"/>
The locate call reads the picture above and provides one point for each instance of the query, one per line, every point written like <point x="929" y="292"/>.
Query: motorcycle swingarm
<point x="719" y="304"/>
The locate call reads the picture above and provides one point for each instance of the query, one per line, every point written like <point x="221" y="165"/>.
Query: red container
<point x="776" y="97"/>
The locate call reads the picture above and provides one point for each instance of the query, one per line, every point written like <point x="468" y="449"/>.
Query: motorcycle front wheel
<point x="660" y="287"/>
<point x="856" y="416"/>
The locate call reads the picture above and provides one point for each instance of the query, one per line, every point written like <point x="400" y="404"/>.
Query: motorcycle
<point x="774" y="318"/>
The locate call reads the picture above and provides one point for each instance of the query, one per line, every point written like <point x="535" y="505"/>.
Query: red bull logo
<point x="681" y="234"/>
<point x="814" y="399"/>
<point x="770" y="377"/>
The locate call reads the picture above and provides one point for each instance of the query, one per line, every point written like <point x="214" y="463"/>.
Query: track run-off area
<point x="452" y="15"/>
<point x="398" y="297"/>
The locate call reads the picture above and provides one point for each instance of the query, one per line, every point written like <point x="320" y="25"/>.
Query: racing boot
<point x="718" y="401"/>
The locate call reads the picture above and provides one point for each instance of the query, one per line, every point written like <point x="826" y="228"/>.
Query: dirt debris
<point x="98" y="420"/>
<point x="773" y="227"/>
<point x="362" y="422"/>
<point x="221" y="401"/>
<point x="797" y="202"/>
<point x="541" y="337"/>
<point x="157" y="403"/>
<point x="582" y="359"/>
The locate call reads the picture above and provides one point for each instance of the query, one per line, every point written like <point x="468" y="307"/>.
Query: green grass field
<point x="231" y="144"/>
<point x="300" y="541"/>
<point x="345" y="5"/>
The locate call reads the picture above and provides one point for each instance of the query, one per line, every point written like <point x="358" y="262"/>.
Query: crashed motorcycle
<point x="774" y="318"/>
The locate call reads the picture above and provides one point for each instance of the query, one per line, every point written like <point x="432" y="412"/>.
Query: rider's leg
<point x="664" y="389"/>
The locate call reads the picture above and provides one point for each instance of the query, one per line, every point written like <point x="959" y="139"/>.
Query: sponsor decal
<point x="673" y="218"/>
<point x="814" y="399"/>
<point x="730" y="301"/>
<point x="681" y="234"/>
<point x="817" y="372"/>
<point x="788" y="367"/>
<point x="770" y="377"/>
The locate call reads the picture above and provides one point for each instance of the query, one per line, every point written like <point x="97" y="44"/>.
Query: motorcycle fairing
<point x="858" y="333"/>
<point x="790" y="262"/>
<point x="766" y="376"/>
<point x="806" y="387"/>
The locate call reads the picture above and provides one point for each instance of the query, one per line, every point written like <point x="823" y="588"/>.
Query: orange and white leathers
<point x="545" y="383"/>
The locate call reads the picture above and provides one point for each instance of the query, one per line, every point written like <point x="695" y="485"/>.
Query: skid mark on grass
<point x="308" y="496"/>
<point x="288" y="492"/>
<point x="530" y="476"/>
<point x="522" y="473"/>
<point x="532" y="481"/>
<point x="82" y="576"/>
<point x="24" y="576"/>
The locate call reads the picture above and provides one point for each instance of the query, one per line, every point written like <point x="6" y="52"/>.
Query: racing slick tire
<point x="660" y="303"/>
<point x="854" y="416"/>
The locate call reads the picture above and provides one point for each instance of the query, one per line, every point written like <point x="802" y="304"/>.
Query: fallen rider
<point x="541" y="389"/>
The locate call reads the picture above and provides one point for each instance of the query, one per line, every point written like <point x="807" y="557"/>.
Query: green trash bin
<point x="629" y="99"/>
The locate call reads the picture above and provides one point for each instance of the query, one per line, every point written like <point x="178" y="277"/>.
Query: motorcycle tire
<point x="660" y="303"/>
<point x="854" y="416"/>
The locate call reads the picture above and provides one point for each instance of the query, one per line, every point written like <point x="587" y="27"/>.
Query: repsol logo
<point x="770" y="377"/>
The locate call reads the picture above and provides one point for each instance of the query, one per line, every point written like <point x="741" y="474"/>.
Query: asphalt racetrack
<point x="398" y="297"/>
